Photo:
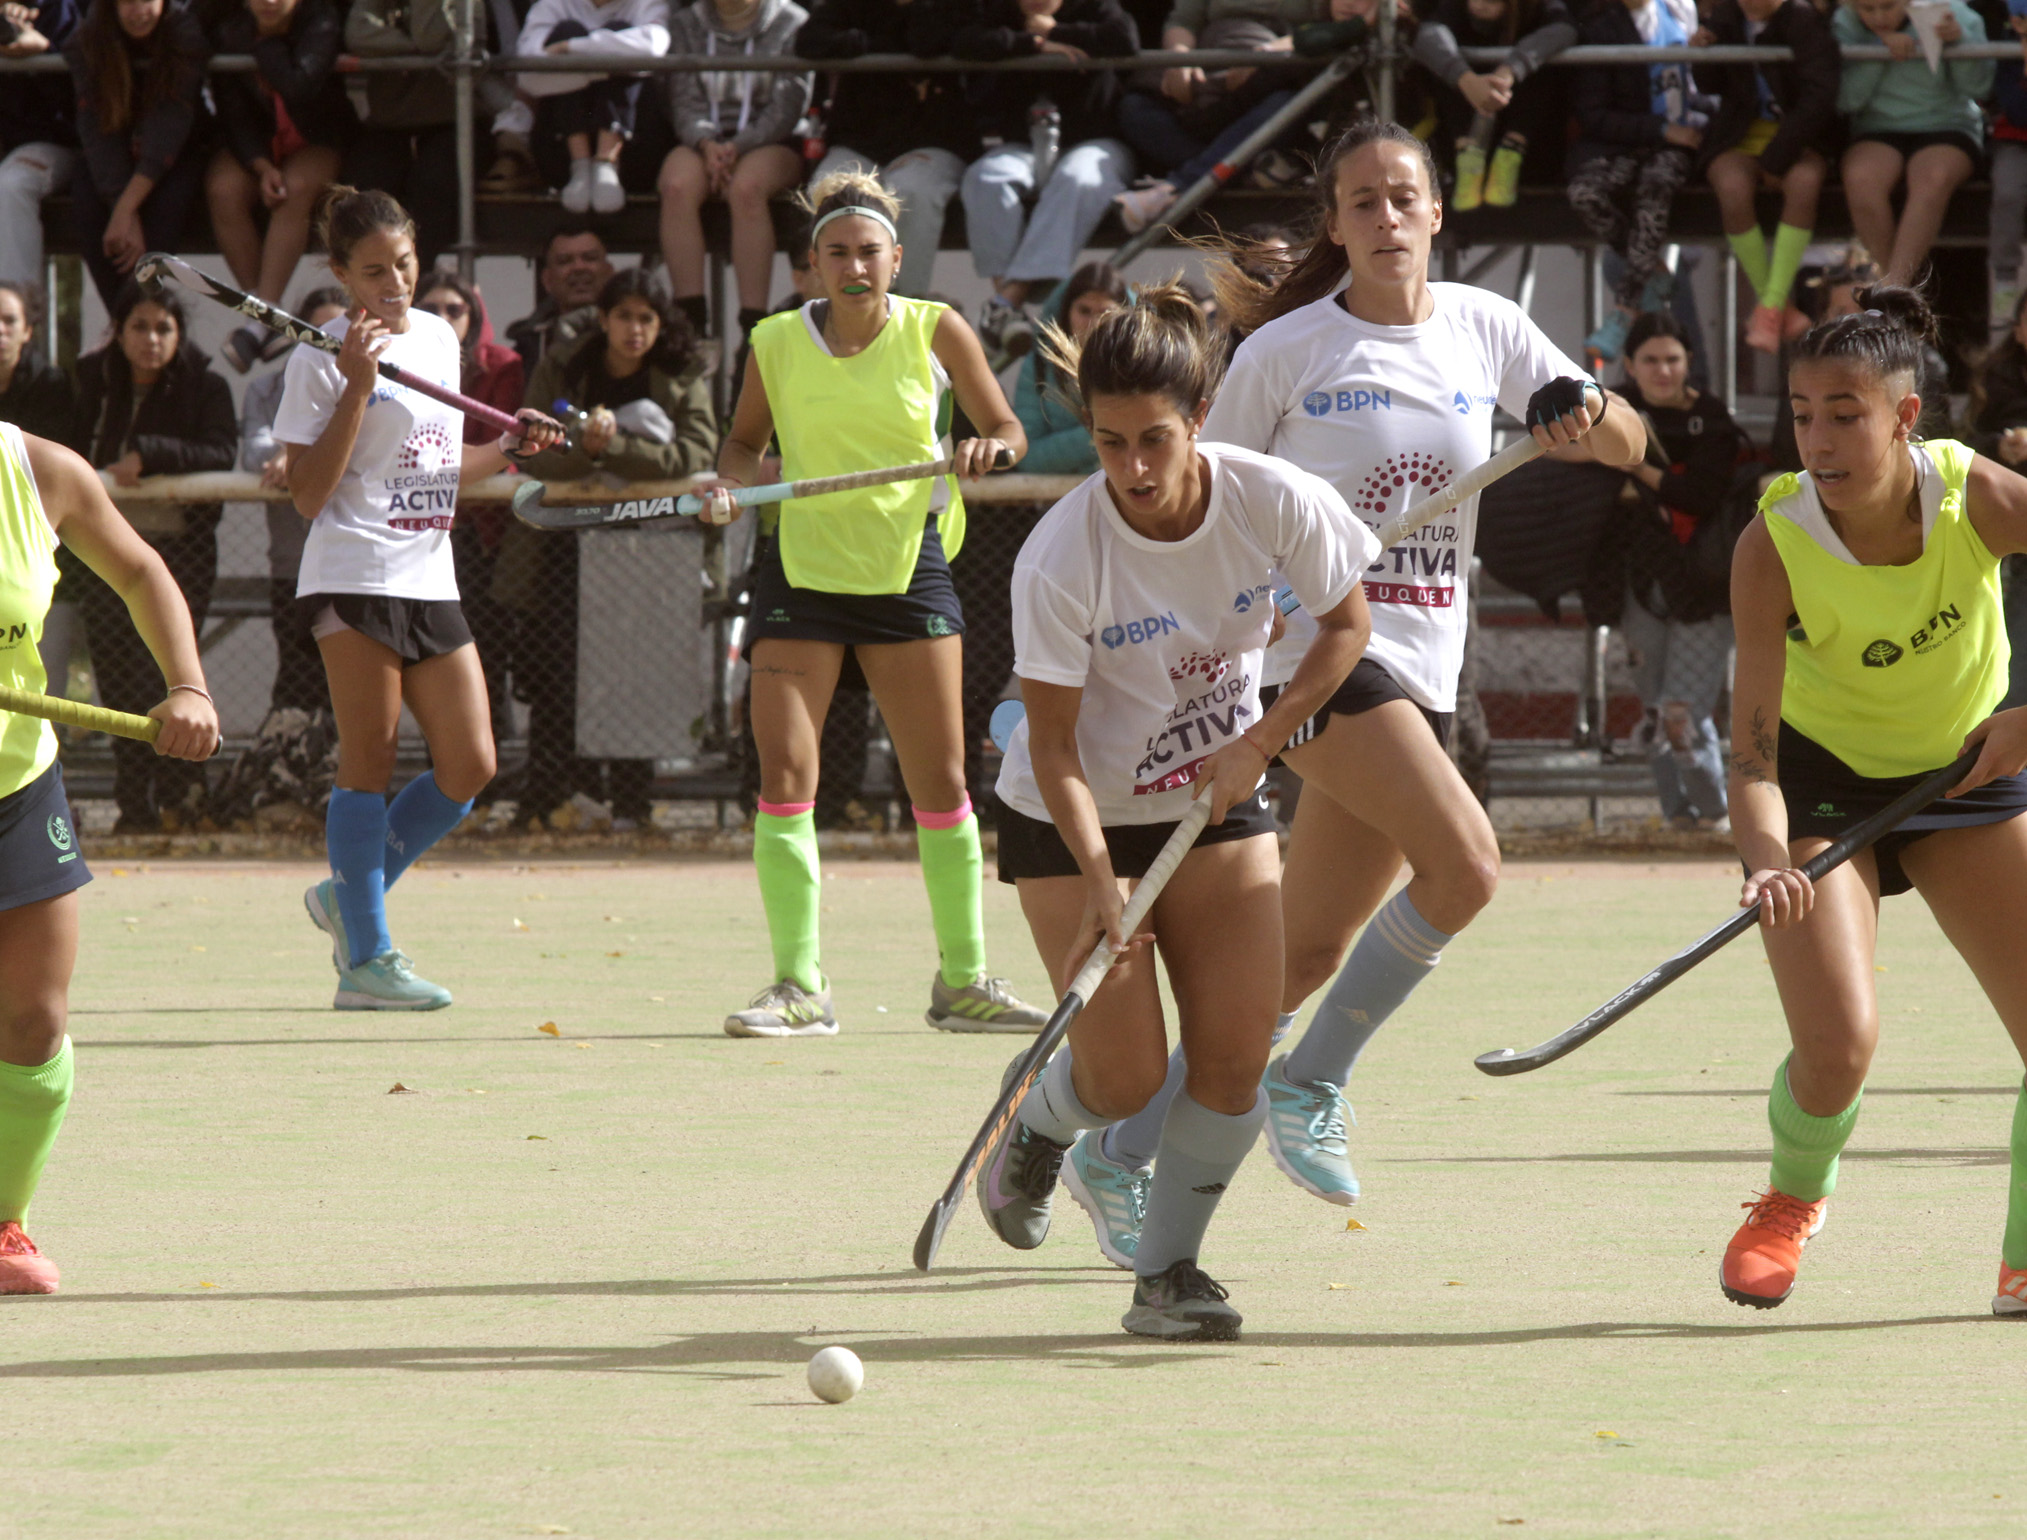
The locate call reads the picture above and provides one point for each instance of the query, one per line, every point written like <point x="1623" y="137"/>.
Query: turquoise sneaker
<point x="387" y="983"/>
<point x="321" y="899"/>
<point x="1305" y="1134"/>
<point x="1114" y="1196"/>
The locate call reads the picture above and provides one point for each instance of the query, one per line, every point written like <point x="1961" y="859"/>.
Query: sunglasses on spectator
<point x="448" y="309"/>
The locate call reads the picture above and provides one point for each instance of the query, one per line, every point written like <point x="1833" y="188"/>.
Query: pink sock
<point x="789" y="809"/>
<point x="948" y="820"/>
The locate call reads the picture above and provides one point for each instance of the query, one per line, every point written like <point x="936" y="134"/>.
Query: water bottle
<point x="1045" y="134"/>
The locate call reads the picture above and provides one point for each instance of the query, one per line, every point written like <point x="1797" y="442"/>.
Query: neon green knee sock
<point x="1750" y="247"/>
<point x="1790" y="241"/>
<point x="952" y="869"/>
<point x="1806" y="1148"/>
<point x="32" y="1102"/>
<point x="784" y="854"/>
<point x="2015" y="1248"/>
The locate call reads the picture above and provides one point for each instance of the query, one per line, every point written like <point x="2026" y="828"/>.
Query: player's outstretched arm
<point x="85" y="519"/>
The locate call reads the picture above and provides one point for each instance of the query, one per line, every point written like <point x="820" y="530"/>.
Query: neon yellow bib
<point x="1891" y="666"/>
<point x="27" y="579"/>
<point x="888" y="405"/>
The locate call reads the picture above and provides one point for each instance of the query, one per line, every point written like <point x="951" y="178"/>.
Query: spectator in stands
<point x="1908" y="121"/>
<point x="1045" y="399"/>
<point x="286" y="128"/>
<point x="1776" y="127"/>
<point x="1499" y="118"/>
<point x="1640" y="127"/>
<point x="647" y="398"/>
<point x="914" y="132"/>
<point x="35" y="396"/>
<point x="2009" y="176"/>
<point x="1181" y="122"/>
<point x="1012" y="246"/>
<point x="734" y="129"/>
<point x="38" y="132"/>
<point x="1999" y="396"/>
<point x="571" y="271"/>
<point x="138" y="70"/>
<point x="408" y="143"/>
<point x="583" y="122"/>
<point x="1677" y="618"/>
<point x="299" y="681"/>
<point x="150" y="404"/>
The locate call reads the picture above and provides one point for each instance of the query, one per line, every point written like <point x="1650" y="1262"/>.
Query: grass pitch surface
<point x="570" y="1283"/>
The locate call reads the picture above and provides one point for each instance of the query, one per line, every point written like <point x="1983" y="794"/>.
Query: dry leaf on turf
<point x="580" y="1045"/>
<point x="551" y="1028"/>
<point x="615" y="954"/>
<point x="518" y="925"/>
<point x="207" y="1285"/>
<point x="1353" y="1224"/>
<point x="398" y="1089"/>
<point x="1453" y="1283"/>
<point x="1605" y="1433"/>
<point x="1334" y="1285"/>
<point x="544" y="1138"/>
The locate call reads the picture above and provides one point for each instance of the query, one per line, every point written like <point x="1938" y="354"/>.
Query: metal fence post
<point x="465" y="65"/>
<point x="1383" y="96"/>
<point x="1727" y="322"/>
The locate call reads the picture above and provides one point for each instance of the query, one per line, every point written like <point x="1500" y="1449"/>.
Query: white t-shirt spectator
<point x="1387" y="414"/>
<point x="1165" y="638"/>
<point x="386" y="528"/>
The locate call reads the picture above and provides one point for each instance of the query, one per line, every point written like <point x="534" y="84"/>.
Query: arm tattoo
<point x="1758" y="766"/>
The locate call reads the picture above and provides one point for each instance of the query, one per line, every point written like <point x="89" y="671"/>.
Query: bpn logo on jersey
<point x="1881" y="654"/>
<point x="1140" y="630"/>
<point x="1320" y="403"/>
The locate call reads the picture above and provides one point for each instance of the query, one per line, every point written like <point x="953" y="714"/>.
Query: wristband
<point x="1267" y="754"/>
<point x="194" y="689"/>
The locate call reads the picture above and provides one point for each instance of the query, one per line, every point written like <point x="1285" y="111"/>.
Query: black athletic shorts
<point x="928" y="608"/>
<point x="1366" y="686"/>
<point x="1031" y="847"/>
<point x="1825" y="797"/>
<point x="39" y="854"/>
<point x="416" y="629"/>
<point x="1908" y="143"/>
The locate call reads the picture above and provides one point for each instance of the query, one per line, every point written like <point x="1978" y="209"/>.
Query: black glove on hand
<point x="1558" y="398"/>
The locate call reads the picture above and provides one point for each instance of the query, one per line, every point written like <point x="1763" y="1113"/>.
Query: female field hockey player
<point x="856" y="379"/>
<point x="1871" y="651"/>
<point x="1360" y="370"/>
<point x="376" y="467"/>
<point x="1141" y="609"/>
<point x="49" y="494"/>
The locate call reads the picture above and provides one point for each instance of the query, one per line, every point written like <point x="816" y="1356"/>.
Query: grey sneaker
<point x="1182" y="1304"/>
<point x="1017" y="1183"/>
<point x="785" y="1009"/>
<point x="986" y="1004"/>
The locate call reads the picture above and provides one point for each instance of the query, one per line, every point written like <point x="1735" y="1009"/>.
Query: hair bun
<point x="1903" y="306"/>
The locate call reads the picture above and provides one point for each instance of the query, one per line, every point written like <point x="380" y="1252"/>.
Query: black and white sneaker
<point x="1182" y="1303"/>
<point x="1017" y="1183"/>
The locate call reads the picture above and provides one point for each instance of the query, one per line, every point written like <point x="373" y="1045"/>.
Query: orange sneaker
<point x="1763" y="331"/>
<point x="1761" y="1261"/>
<point x="2012" y="1296"/>
<point x="23" y="1269"/>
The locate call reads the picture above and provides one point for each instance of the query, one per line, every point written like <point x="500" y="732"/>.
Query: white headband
<point x="863" y="212"/>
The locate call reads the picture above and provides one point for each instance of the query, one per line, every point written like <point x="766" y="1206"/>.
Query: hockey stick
<point x="77" y="713"/>
<point x="1082" y="987"/>
<point x="1518" y="1061"/>
<point x="530" y="509"/>
<point x="157" y="267"/>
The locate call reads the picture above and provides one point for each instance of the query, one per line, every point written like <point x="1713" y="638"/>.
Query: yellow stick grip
<point x="75" y="713"/>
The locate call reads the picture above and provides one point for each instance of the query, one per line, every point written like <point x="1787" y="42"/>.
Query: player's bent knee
<point x="31" y="1030"/>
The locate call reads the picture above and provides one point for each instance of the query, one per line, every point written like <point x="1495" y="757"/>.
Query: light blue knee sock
<point x="355" y="833"/>
<point x="1052" y="1108"/>
<point x="1200" y="1154"/>
<point x="418" y="818"/>
<point x="1397" y="951"/>
<point x="1131" y="1142"/>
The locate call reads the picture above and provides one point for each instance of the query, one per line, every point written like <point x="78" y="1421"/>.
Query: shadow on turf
<point x="712" y="1354"/>
<point x="1959" y="1157"/>
<point x="946" y="1280"/>
<point x="376" y="1041"/>
<point x="1907" y="1090"/>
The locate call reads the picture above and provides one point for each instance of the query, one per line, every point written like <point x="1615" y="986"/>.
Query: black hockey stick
<point x="1082" y="987"/>
<point x="1518" y="1061"/>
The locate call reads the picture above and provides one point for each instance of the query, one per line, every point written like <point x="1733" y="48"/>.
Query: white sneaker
<point x="576" y="194"/>
<point x="1144" y="205"/>
<point x="608" y="196"/>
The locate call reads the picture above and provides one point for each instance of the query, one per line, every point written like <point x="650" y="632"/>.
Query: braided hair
<point x="1888" y="335"/>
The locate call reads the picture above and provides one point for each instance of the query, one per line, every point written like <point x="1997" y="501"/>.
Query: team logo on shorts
<point x="1827" y="810"/>
<point x="938" y="626"/>
<point x="58" y="829"/>
<point x="1881" y="654"/>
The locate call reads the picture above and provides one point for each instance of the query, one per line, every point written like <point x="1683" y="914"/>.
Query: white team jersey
<point x="1387" y="414"/>
<point x="386" y="527"/>
<point x="1165" y="638"/>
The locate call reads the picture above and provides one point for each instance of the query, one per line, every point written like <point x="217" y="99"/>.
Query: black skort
<point x="1908" y="143"/>
<point x="416" y="630"/>
<point x="1031" y="847"/>
<point x="39" y="854"/>
<point x="1825" y="797"/>
<point x="780" y="610"/>
<point x="1366" y="686"/>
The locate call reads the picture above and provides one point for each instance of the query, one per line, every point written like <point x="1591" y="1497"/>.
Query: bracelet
<point x="1267" y="754"/>
<point x="194" y="689"/>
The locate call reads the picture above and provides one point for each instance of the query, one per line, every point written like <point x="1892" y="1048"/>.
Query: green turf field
<point x="569" y="1284"/>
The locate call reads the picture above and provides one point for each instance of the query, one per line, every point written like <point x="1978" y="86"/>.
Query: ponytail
<point x="1160" y="344"/>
